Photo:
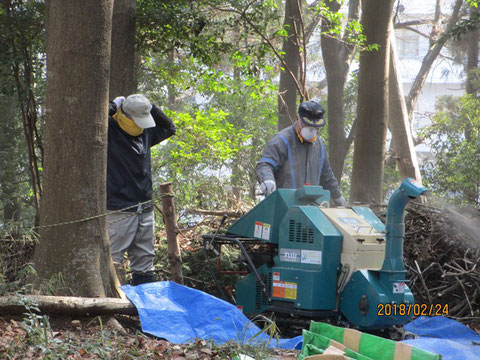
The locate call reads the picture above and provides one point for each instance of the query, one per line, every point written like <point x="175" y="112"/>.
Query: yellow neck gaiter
<point x="127" y="124"/>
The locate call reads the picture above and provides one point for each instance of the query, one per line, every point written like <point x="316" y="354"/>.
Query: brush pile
<point x="442" y="257"/>
<point x="16" y="252"/>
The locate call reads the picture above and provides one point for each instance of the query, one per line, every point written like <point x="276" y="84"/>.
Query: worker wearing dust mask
<point x="296" y="156"/>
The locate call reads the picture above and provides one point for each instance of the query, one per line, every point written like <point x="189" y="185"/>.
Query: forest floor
<point x="442" y="257"/>
<point x="40" y="337"/>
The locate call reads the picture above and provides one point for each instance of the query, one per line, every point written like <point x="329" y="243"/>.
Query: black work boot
<point x="143" y="278"/>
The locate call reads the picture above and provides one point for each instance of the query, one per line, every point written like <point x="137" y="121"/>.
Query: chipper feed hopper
<point x="321" y="261"/>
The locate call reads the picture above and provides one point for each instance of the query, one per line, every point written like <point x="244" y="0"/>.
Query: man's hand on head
<point x="119" y="101"/>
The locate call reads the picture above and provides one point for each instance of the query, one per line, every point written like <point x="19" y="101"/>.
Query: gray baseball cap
<point x="138" y="107"/>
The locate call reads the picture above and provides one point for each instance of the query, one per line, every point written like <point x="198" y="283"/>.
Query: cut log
<point x="66" y="305"/>
<point x="235" y="214"/>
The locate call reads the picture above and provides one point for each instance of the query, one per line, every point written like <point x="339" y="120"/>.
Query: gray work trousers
<point x="132" y="233"/>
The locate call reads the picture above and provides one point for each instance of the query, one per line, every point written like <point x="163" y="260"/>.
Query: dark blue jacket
<point x="129" y="173"/>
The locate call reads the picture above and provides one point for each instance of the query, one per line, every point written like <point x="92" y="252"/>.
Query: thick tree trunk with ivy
<point x="398" y="123"/>
<point x="370" y="138"/>
<point x="76" y="253"/>
<point x="287" y="92"/>
<point x="473" y="76"/>
<point x="123" y="80"/>
<point x="472" y="37"/>
<point x="337" y="57"/>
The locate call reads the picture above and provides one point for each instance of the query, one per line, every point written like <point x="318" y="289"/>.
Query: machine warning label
<point x="311" y="257"/>
<point x="276" y="276"/>
<point x="258" y="229"/>
<point x="262" y="230"/>
<point x="399" y="288"/>
<point x="290" y="255"/>
<point x="266" y="232"/>
<point x="284" y="290"/>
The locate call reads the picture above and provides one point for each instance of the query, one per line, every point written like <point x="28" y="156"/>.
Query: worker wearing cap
<point x="296" y="156"/>
<point x="134" y="126"/>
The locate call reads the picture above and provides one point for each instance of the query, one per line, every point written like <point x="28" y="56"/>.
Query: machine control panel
<point x="354" y="228"/>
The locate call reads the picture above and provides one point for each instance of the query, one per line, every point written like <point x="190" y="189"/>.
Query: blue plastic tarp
<point x="440" y="335"/>
<point x="181" y="314"/>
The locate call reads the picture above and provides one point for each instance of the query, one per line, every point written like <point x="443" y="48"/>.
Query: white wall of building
<point x="445" y="77"/>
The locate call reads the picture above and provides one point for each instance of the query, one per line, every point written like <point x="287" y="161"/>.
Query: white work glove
<point x="340" y="201"/>
<point x="268" y="186"/>
<point x="119" y="101"/>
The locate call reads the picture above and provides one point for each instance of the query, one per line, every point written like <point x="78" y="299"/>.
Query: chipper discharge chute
<point x="321" y="262"/>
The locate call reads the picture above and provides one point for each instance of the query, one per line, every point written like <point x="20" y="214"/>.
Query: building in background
<point x="446" y="77"/>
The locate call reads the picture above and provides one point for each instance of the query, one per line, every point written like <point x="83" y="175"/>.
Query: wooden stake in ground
<point x="170" y="221"/>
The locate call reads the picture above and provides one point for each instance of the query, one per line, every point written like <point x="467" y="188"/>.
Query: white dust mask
<point x="308" y="133"/>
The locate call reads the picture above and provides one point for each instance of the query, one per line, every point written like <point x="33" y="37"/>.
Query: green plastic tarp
<point x="358" y="345"/>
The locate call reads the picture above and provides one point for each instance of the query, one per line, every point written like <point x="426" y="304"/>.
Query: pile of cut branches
<point x="16" y="252"/>
<point x="442" y="257"/>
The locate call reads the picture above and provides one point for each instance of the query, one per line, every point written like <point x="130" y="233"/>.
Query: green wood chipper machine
<point x="307" y="259"/>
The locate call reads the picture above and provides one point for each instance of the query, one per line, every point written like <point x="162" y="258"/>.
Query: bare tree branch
<point x="417" y="32"/>
<point x="407" y="24"/>
<point x="244" y="16"/>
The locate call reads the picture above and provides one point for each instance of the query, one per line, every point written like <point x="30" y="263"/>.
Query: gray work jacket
<point x="293" y="164"/>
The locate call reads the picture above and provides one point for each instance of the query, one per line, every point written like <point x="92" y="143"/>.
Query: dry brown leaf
<point x="206" y="351"/>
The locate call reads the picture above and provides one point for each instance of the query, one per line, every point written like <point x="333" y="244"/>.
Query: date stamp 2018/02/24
<point x="412" y="309"/>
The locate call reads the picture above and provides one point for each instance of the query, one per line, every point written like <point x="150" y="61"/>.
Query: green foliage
<point x="22" y="79"/>
<point x="14" y="177"/>
<point x="21" y="40"/>
<point x="454" y="171"/>
<point x="203" y="30"/>
<point x="217" y="142"/>
<point x="205" y="139"/>
<point x="350" y="33"/>
<point x="37" y="327"/>
<point x="167" y="25"/>
<point x="468" y="24"/>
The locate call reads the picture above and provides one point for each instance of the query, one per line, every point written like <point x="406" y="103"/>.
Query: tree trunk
<point x="471" y="191"/>
<point x="337" y="56"/>
<point x="287" y="92"/>
<point x="370" y="138"/>
<point x="402" y="138"/>
<point x="76" y="254"/>
<point x="172" y="93"/>
<point x="123" y="80"/>
<point x="250" y="172"/>
<point x="170" y="221"/>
